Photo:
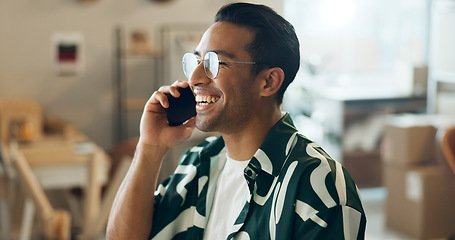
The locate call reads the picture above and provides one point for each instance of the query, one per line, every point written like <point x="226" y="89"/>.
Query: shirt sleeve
<point x="339" y="222"/>
<point x="328" y="204"/>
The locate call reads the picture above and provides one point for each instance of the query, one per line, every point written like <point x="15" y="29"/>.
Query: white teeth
<point x="206" y="100"/>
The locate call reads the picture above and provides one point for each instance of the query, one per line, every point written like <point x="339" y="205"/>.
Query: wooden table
<point x="60" y="162"/>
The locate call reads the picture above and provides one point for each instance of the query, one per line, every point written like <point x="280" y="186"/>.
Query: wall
<point x="86" y="100"/>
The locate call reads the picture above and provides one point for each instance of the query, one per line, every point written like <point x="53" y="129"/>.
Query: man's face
<point x="228" y="100"/>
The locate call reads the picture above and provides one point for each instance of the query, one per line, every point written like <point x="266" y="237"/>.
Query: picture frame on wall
<point x="68" y="53"/>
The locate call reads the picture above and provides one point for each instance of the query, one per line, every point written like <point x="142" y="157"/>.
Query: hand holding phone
<point x="182" y="108"/>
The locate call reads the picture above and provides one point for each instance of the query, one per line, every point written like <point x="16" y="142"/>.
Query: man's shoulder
<point x="315" y="166"/>
<point x="307" y="150"/>
<point x="313" y="158"/>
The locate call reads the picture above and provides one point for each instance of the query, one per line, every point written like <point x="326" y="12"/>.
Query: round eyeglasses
<point x="211" y="64"/>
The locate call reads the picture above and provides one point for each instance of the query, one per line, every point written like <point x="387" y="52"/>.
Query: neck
<point x="243" y="144"/>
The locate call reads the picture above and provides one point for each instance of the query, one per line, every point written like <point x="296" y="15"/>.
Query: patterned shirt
<point x="297" y="192"/>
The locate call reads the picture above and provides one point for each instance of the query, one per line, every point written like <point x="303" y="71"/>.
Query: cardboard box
<point x="420" y="200"/>
<point x="409" y="139"/>
<point x="364" y="168"/>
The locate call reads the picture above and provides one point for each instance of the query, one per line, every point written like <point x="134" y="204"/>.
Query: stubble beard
<point x="227" y="120"/>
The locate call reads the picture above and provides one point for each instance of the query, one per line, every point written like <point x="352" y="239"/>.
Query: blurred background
<point x="375" y="89"/>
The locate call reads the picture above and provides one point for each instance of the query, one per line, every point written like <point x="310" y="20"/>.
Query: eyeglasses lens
<point x="211" y="64"/>
<point x="189" y="63"/>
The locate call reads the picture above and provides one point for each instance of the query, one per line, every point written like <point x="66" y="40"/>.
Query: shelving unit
<point x="136" y="76"/>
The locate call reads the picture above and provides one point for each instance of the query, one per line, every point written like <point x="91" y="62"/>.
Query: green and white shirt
<point x="297" y="192"/>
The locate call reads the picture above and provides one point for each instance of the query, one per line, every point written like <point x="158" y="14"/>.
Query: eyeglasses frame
<point x="205" y="68"/>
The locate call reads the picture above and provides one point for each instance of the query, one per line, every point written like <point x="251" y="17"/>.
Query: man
<point x="260" y="179"/>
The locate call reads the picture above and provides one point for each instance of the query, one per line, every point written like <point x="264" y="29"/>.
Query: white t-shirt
<point x="231" y="190"/>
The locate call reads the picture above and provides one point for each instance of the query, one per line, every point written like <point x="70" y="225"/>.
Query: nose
<point x="199" y="77"/>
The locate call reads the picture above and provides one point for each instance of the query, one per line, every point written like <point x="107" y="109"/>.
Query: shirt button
<point x="250" y="173"/>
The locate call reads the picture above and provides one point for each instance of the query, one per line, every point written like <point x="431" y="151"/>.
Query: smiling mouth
<point x="206" y="100"/>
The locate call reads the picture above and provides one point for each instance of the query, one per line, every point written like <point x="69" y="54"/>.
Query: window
<point x="356" y="45"/>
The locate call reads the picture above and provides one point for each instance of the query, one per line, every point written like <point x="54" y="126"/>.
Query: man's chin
<point x="203" y="125"/>
<point x="203" y="128"/>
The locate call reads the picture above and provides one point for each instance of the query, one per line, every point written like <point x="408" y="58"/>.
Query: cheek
<point x="240" y="98"/>
<point x="238" y="89"/>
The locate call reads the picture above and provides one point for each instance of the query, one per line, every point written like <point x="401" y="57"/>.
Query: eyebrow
<point x="219" y="52"/>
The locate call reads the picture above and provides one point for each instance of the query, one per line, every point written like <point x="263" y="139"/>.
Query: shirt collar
<point x="271" y="155"/>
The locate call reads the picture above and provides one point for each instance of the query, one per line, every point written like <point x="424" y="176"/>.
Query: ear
<point x="272" y="79"/>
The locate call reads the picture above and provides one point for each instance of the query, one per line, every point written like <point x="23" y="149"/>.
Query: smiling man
<point x="261" y="179"/>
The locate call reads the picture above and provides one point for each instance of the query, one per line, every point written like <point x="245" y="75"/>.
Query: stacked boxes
<point x="421" y="198"/>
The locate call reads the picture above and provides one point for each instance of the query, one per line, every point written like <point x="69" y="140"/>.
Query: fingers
<point x="160" y="97"/>
<point x="173" y="89"/>
<point x="181" y="84"/>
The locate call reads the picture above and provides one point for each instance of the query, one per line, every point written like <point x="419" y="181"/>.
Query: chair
<point x="56" y="223"/>
<point x="21" y="120"/>
<point x="4" y="189"/>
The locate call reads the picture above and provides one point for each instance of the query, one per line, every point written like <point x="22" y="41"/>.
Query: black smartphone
<point x="182" y="108"/>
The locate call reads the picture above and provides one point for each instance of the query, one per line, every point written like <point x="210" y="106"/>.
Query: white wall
<point x="86" y="100"/>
